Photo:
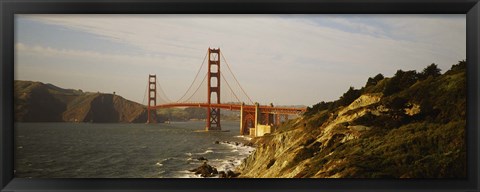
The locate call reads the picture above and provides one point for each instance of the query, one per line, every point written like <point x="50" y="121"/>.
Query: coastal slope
<point x="39" y="102"/>
<point x="411" y="125"/>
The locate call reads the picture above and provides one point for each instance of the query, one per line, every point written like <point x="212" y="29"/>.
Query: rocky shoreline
<point x="207" y="171"/>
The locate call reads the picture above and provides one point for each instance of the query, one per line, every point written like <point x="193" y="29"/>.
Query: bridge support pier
<point x="279" y="118"/>
<point x="213" y="114"/>
<point x="242" y="124"/>
<point x="152" y="97"/>
<point x="248" y="119"/>
<point x="255" y="122"/>
<point x="257" y="116"/>
<point x="262" y="122"/>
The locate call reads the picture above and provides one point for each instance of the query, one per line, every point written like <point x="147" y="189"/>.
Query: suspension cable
<point x="197" y="88"/>
<point x="164" y="96"/>
<point x="198" y="72"/>
<point x="145" y="94"/>
<point x="230" y="88"/>
<point x="228" y="66"/>
<point x="200" y="85"/>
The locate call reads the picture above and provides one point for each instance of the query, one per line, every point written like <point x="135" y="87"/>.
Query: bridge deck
<point x="236" y="107"/>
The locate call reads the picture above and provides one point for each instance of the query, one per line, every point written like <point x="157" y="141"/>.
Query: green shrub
<point x="373" y="81"/>
<point x="399" y="82"/>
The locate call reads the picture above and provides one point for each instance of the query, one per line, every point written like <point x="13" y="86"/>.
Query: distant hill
<point x="411" y="125"/>
<point x="39" y="102"/>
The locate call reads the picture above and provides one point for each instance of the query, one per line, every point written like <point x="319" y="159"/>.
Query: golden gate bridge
<point x="255" y="119"/>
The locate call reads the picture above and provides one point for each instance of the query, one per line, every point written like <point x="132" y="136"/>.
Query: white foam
<point x="240" y="151"/>
<point x="244" y="137"/>
<point x="205" y="152"/>
<point x="237" y="153"/>
<point x="163" y="161"/>
<point x="186" y="174"/>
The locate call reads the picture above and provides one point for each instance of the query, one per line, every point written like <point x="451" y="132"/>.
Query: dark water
<point x="85" y="150"/>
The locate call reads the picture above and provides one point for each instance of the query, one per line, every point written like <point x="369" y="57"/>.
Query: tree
<point x="317" y="108"/>
<point x="397" y="111"/>
<point x="370" y="82"/>
<point x="378" y="77"/>
<point x="374" y="80"/>
<point x="460" y="66"/>
<point x="401" y="81"/>
<point x="431" y="70"/>
<point x="349" y="96"/>
<point x="398" y="105"/>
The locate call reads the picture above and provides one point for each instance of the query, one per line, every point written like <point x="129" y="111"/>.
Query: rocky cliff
<point x="39" y="102"/>
<point x="415" y="131"/>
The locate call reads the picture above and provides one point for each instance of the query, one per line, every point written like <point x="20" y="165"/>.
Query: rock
<point x="231" y="174"/>
<point x="202" y="159"/>
<point x="205" y="170"/>
<point x="217" y="142"/>
<point x="222" y="174"/>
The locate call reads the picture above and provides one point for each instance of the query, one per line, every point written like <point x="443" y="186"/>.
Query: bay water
<point x="89" y="150"/>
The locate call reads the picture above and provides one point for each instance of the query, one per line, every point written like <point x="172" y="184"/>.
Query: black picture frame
<point x="9" y="8"/>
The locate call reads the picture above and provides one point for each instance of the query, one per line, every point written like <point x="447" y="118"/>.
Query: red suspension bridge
<point x="252" y="115"/>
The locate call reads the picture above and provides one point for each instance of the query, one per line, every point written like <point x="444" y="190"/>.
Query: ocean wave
<point x="166" y="160"/>
<point x="240" y="152"/>
<point x="244" y="137"/>
<point x="224" y="157"/>
<point x="242" y="149"/>
<point x="205" y="152"/>
<point x="237" y="153"/>
<point x="185" y="174"/>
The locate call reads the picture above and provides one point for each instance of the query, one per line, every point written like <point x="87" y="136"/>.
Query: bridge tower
<point x="213" y="114"/>
<point x="152" y="96"/>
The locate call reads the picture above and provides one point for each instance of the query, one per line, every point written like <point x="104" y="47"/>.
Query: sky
<point x="279" y="59"/>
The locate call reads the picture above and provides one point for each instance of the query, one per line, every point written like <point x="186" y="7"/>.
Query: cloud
<point x="290" y="55"/>
<point x="138" y="60"/>
<point x="358" y="26"/>
<point x="92" y="71"/>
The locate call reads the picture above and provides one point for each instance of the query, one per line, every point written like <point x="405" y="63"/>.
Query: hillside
<point x="39" y="102"/>
<point x="411" y="125"/>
